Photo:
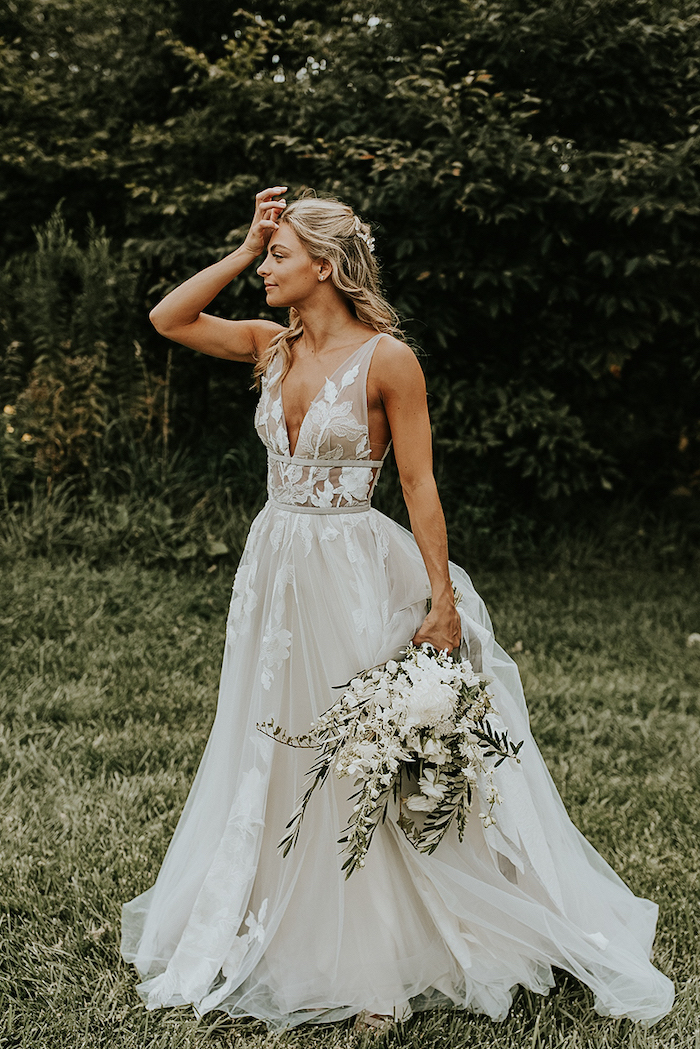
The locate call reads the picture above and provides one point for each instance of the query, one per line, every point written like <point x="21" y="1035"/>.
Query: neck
<point x="327" y="326"/>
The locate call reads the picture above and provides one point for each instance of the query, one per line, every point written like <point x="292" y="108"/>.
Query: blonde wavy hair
<point x="331" y="230"/>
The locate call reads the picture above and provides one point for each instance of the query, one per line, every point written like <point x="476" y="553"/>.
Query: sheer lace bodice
<point x="332" y="469"/>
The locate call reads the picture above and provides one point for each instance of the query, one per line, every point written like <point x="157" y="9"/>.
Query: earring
<point x="321" y="277"/>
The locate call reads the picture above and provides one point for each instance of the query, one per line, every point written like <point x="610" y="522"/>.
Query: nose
<point x="262" y="269"/>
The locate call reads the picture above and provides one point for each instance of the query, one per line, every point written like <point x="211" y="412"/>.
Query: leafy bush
<point x="520" y="438"/>
<point x="532" y="171"/>
<point x="73" y="379"/>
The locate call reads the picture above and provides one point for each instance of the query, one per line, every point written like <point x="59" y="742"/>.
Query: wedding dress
<point x="328" y="586"/>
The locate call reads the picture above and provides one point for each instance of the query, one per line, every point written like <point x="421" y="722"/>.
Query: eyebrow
<point x="278" y="247"/>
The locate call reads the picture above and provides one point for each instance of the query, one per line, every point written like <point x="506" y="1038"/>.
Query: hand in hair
<point x="267" y="212"/>
<point x="180" y="315"/>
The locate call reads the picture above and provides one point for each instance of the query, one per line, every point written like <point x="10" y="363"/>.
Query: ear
<point x="324" y="269"/>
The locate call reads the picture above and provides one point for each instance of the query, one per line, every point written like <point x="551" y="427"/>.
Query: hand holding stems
<point x="267" y="212"/>
<point x="442" y="626"/>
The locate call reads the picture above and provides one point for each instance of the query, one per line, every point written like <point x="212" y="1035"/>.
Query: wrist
<point x="443" y="596"/>
<point x="248" y="252"/>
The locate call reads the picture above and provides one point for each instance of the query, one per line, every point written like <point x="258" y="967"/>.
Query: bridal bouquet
<point x="417" y="730"/>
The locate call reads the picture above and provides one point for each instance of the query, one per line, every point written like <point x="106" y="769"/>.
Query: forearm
<point x="402" y="388"/>
<point x="184" y="304"/>
<point x="428" y="527"/>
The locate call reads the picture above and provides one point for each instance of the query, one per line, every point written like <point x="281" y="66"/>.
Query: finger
<point x="268" y="215"/>
<point x="273" y="191"/>
<point x="273" y="205"/>
<point x="438" y="643"/>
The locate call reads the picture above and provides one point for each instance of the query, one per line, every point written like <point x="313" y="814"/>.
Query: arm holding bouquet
<point x="403" y="392"/>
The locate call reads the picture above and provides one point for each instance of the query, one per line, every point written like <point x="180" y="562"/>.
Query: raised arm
<point x="402" y="389"/>
<point x="179" y="315"/>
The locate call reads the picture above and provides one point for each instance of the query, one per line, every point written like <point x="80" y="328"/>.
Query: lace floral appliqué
<point x="330" y="430"/>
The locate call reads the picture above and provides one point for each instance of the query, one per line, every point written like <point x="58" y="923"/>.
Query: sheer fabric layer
<point x="230" y="924"/>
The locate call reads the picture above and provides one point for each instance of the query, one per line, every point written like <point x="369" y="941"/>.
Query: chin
<point x="273" y="297"/>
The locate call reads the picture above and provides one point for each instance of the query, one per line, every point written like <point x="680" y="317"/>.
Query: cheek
<point x="301" y="274"/>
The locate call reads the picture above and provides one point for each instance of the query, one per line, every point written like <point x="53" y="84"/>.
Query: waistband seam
<point x="327" y="464"/>
<point x="356" y="508"/>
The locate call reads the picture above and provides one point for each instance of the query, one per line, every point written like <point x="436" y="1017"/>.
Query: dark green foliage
<point x="532" y="172"/>
<point x="74" y="382"/>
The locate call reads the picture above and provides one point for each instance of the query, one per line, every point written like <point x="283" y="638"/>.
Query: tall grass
<point x="194" y="510"/>
<point x="157" y="511"/>
<point x="108" y="683"/>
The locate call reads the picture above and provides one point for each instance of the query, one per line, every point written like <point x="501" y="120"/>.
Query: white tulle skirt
<point x="230" y="924"/>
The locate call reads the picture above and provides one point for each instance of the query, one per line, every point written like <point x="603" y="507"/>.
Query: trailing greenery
<point x="108" y="683"/>
<point x="532" y="171"/>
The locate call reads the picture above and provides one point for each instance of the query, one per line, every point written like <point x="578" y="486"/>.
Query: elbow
<point x="161" y="325"/>
<point x="416" y="491"/>
<point x="411" y="485"/>
<point x="167" y="325"/>
<point x="156" y="319"/>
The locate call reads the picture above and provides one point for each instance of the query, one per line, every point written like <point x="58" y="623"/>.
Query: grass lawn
<point x="108" y="683"/>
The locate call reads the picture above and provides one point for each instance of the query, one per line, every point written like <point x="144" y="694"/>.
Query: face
<point x="289" y="273"/>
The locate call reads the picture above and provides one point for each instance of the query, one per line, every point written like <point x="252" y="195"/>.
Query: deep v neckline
<point x="328" y="378"/>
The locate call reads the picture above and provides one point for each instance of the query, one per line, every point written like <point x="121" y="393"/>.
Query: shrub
<point x="532" y="171"/>
<point x="73" y="377"/>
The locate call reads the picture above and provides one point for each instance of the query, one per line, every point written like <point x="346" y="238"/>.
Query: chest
<point x="303" y="384"/>
<point x="323" y="408"/>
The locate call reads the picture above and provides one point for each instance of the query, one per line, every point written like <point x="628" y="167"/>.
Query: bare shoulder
<point x="263" y="332"/>
<point x="395" y="365"/>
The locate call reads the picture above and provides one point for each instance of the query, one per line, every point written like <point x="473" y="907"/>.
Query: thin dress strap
<point x="361" y="405"/>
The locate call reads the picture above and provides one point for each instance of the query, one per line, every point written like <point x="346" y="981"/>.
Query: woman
<point x="326" y="587"/>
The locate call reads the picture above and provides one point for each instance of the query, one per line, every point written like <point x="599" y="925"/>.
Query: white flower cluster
<point x="416" y="728"/>
<point x="364" y="235"/>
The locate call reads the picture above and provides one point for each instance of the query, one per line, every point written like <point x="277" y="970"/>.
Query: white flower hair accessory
<point x="363" y="235"/>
